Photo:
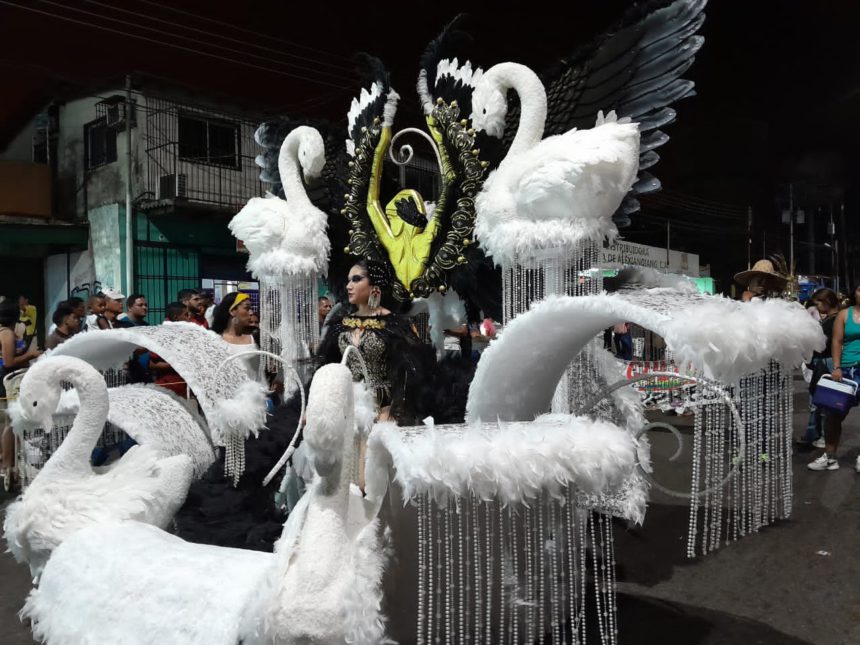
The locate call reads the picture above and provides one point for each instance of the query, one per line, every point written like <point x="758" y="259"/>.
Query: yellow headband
<point x="239" y="300"/>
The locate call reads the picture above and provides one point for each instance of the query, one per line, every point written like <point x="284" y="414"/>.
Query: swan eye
<point x="35" y="403"/>
<point x="485" y="110"/>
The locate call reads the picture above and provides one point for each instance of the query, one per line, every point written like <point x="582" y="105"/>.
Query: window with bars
<point x="99" y="144"/>
<point x="209" y="141"/>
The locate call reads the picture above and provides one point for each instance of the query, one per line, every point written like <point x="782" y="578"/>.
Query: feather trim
<point x="513" y="463"/>
<point x="231" y="419"/>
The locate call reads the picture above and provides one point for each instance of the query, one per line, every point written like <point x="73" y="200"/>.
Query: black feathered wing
<point x="634" y="69"/>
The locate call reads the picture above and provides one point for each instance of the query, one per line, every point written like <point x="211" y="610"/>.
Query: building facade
<point x="63" y="183"/>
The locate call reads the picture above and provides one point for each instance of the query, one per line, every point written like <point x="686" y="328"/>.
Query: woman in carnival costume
<point x="394" y="356"/>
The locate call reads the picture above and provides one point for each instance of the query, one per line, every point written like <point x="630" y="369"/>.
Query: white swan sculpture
<point x="287" y="237"/>
<point x="68" y="495"/>
<point x="322" y="584"/>
<point x="549" y="192"/>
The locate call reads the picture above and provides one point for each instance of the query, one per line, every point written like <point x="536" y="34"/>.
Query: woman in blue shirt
<point x="845" y="349"/>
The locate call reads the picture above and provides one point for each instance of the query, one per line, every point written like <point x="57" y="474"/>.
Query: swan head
<point x="330" y="417"/>
<point x="311" y="152"/>
<point x="489" y="106"/>
<point x="39" y="395"/>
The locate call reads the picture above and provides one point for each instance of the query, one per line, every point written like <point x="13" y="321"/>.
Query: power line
<point x="242" y="29"/>
<point x="172" y="45"/>
<point x="341" y="68"/>
<point x="698" y="207"/>
<point x="197" y="41"/>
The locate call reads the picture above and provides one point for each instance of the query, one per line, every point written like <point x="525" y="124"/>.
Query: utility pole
<point x="749" y="237"/>
<point x="668" y="247"/>
<point x="844" y="244"/>
<point x="791" y="226"/>
<point x="129" y="242"/>
<point x="811" y="217"/>
<point x="834" y="250"/>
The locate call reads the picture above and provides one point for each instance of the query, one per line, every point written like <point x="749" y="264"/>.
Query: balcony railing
<point x="198" y="157"/>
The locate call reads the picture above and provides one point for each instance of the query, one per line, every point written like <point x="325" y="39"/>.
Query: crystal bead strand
<point x="789" y="474"/>
<point x="767" y="479"/>
<point x="765" y="449"/>
<point x="694" y="485"/>
<point x="527" y="556"/>
<point x="713" y="485"/>
<point x="582" y="548"/>
<point x="595" y="544"/>
<point x="719" y="473"/>
<point x="570" y="567"/>
<point x="422" y="568"/>
<point x="613" y="609"/>
<point x="759" y="428"/>
<point x="503" y="577"/>
<point x="461" y="582"/>
<point x="436" y="572"/>
<point x="719" y="488"/>
<point x="606" y="570"/>
<point x="516" y="590"/>
<point x="477" y="541"/>
<point x="541" y="555"/>
<point x="489" y="572"/>
<point x="732" y="496"/>
<point x="449" y="577"/>
<point x="468" y="628"/>
<point x="707" y="452"/>
<point x="556" y="621"/>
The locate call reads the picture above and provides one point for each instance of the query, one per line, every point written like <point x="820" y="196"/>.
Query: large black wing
<point x="634" y="69"/>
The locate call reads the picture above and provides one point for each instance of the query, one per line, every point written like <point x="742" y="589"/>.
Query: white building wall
<point x="105" y="245"/>
<point x="64" y="274"/>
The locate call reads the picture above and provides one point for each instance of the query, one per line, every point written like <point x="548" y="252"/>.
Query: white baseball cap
<point x="113" y="294"/>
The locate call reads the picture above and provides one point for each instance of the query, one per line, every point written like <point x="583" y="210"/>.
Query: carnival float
<point x="425" y="512"/>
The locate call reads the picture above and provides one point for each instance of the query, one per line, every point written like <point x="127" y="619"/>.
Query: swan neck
<point x="75" y="450"/>
<point x="337" y="484"/>
<point x="290" y="170"/>
<point x="532" y="97"/>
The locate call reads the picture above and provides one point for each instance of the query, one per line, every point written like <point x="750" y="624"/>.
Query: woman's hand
<point x="836" y="374"/>
<point x="33" y="353"/>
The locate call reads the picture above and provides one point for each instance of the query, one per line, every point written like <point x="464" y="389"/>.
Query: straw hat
<point x="762" y="268"/>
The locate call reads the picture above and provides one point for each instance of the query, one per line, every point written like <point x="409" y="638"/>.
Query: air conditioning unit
<point x="173" y="186"/>
<point x="115" y="115"/>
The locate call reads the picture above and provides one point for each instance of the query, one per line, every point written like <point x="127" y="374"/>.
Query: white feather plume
<point x="513" y="463"/>
<point x="241" y="415"/>
<point x="558" y="193"/>
<point x="287" y="237"/>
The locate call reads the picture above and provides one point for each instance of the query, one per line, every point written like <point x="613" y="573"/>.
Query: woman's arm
<point x="10" y="361"/>
<point x="102" y="322"/>
<point x="836" y="345"/>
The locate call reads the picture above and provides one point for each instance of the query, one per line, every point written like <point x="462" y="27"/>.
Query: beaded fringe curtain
<point x="560" y="271"/>
<point x="735" y="494"/>
<point x="289" y="326"/>
<point x="493" y="573"/>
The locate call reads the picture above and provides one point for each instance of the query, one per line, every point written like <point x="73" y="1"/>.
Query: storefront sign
<point x="623" y="253"/>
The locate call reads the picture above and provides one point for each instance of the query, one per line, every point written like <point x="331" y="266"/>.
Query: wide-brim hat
<point x="761" y="268"/>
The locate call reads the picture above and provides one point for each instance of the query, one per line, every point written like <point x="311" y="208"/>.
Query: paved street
<point x="772" y="588"/>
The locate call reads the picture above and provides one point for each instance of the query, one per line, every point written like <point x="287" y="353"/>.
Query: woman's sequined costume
<point x="392" y="353"/>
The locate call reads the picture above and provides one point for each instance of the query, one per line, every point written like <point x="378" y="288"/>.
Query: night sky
<point x="778" y="86"/>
